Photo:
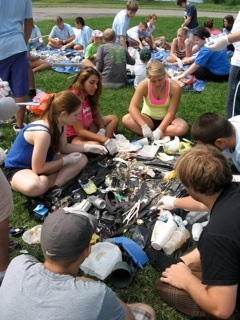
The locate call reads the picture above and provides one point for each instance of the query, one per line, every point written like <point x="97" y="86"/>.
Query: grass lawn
<point x="213" y="98"/>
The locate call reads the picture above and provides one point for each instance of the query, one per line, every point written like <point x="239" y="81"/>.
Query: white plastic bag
<point x="33" y="235"/>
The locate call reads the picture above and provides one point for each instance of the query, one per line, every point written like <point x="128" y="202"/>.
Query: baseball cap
<point x="8" y="108"/>
<point x="65" y="235"/>
<point x="96" y="34"/>
<point x="145" y="54"/>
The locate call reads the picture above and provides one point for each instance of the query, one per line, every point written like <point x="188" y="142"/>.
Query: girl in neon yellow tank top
<point x="161" y="98"/>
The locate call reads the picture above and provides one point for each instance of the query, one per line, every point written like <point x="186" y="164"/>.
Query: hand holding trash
<point x="111" y="146"/>
<point x="94" y="148"/>
<point x="167" y="202"/>
<point x="71" y="158"/>
<point x="147" y="132"/>
<point x="157" y="134"/>
<point x="102" y="132"/>
<point x="217" y="44"/>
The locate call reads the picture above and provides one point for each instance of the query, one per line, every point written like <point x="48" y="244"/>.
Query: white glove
<point x="94" y="148"/>
<point x="186" y="41"/>
<point x="167" y="202"/>
<point x="4" y="88"/>
<point x="71" y="158"/>
<point x="102" y="132"/>
<point x="217" y="44"/>
<point x="147" y="132"/>
<point x="111" y="145"/>
<point x="157" y="134"/>
<point x="178" y="77"/>
<point x="180" y="63"/>
<point x="63" y="47"/>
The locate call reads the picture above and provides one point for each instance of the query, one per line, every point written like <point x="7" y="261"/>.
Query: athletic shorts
<point x="6" y="200"/>
<point x="140" y="314"/>
<point x="156" y="123"/>
<point x="10" y="172"/>
<point x="14" y="69"/>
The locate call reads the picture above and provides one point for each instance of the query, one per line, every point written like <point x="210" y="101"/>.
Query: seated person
<point x="61" y="34"/>
<point x="81" y="41"/>
<point x="90" y="125"/>
<point x="228" y="22"/>
<point x="37" y="64"/>
<point x="65" y="243"/>
<point x="139" y="34"/>
<point x="36" y="40"/>
<point x="161" y="98"/>
<point x="48" y="161"/>
<point x="139" y="69"/>
<point x="208" y="65"/>
<point x="203" y="283"/>
<point x="111" y="61"/>
<point x="159" y="41"/>
<point x="94" y="43"/>
<point x="181" y="49"/>
<point x="208" y="24"/>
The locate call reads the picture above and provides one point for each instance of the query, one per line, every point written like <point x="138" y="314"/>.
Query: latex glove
<point x="167" y="202"/>
<point x="180" y="63"/>
<point x="217" y="44"/>
<point x="102" y="132"/>
<point x="147" y="132"/>
<point x="71" y="158"/>
<point x="63" y="47"/>
<point x="111" y="145"/>
<point x="94" y="148"/>
<point x="186" y="41"/>
<point x="157" y="134"/>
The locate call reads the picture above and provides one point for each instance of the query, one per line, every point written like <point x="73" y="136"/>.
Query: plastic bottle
<point x="178" y="238"/>
<point x="162" y="232"/>
<point x="197" y="229"/>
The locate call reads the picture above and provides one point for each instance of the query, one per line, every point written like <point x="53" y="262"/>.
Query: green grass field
<point x="213" y="99"/>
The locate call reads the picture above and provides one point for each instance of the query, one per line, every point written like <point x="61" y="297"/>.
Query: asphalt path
<point x="73" y="12"/>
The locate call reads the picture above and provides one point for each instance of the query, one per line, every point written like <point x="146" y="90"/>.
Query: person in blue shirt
<point x="208" y="65"/>
<point x="61" y="34"/>
<point x="140" y="34"/>
<point x="36" y="40"/>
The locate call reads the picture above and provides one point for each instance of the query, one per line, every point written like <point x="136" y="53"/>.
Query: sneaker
<point x="17" y="129"/>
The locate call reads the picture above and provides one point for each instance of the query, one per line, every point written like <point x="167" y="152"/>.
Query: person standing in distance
<point x="13" y="54"/>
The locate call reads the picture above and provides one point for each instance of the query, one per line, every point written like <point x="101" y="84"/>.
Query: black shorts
<point x="70" y="139"/>
<point x="10" y="172"/>
<point x="156" y="123"/>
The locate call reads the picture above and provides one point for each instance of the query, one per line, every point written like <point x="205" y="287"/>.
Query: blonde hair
<point x="155" y="68"/>
<point x="183" y="30"/>
<point x="204" y="169"/>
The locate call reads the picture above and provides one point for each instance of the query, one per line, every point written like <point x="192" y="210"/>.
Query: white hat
<point x="96" y="34"/>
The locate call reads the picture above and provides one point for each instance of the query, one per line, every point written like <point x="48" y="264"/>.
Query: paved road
<point x="71" y="13"/>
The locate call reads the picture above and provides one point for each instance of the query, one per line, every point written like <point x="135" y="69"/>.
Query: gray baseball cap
<point x="65" y="235"/>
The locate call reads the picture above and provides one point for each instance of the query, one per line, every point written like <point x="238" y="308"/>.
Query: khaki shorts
<point x="6" y="201"/>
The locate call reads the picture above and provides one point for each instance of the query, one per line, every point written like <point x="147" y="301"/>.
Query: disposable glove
<point x="178" y="77"/>
<point x="147" y="132"/>
<point x="111" y="145"/>
<point x="102" y="132"/>
<point x="180" y="63"/>
<point x="94" y="148"/>
<point x="167" y="202"/>
<point x="157" y="134"/>
<point x="71" y="158"/>
<point x="186" y="41"/>
<point x="217" y="44"/>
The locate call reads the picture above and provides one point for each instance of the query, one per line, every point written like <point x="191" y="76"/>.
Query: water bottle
<point x="178" y="238"/>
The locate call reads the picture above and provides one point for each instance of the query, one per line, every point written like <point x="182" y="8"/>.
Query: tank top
<point x="154" y="108"/>
<point x="180" y="53"/>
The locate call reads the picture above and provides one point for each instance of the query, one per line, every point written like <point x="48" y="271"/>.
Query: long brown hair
<point x="62" y="101"/>
<point x="78" y="84"/>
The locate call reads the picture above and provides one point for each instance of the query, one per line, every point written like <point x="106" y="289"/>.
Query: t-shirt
<point x="235" y="61"/>
<point x="65" y="33"/>
<point x="111" y="62"/>
<point x="219" y="243"/>
<point x="12" y="16"/>
<point x="29" y="291"/>
<point x="234" y="154"/>
<point x="83" y="37"/>
<point x="135" y="33"/>
<point x="35" y="36"/>
<point x="191" y="11"/>
<point x="215" y="61"/>
<point x="91" y="50"/>
<point x="121" y="24"/>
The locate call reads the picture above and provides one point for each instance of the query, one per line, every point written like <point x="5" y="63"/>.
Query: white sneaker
<point x="17" y="129"/>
